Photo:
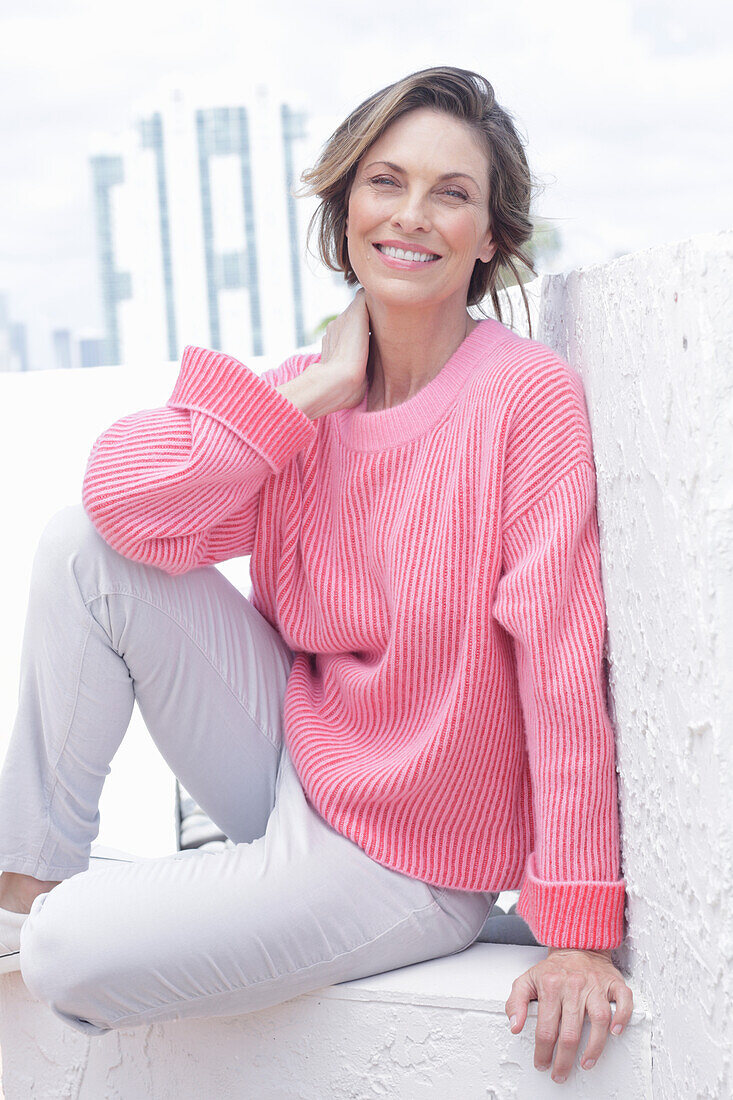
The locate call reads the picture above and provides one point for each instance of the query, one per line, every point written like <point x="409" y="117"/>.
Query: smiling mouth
<point x="407" y="254"/>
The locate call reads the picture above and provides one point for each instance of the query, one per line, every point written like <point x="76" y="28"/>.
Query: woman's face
<point x="424" y="184"/>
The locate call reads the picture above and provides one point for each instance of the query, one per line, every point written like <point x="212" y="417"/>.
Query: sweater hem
<point x="496" y="884"/>
<point x="587" y="915"/>
<point x="220" y="386"/>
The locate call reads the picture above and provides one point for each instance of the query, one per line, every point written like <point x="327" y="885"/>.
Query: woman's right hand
<point x="345" y="354"/>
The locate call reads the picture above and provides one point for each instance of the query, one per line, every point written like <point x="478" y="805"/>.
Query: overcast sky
<point x="625" y="106"/>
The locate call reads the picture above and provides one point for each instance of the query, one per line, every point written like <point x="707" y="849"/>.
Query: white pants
<point x="294" y="906"/>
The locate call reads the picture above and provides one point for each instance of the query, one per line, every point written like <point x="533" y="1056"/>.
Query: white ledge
<point x="478" y="979"/>
<point x="434" y="1029"/>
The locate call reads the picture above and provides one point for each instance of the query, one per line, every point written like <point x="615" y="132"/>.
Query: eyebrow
<point x="444" y="176"/>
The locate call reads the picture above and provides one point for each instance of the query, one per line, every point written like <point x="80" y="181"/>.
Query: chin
<point x="396" y="293"/>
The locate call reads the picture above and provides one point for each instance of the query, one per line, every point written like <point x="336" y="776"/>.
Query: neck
<point x="408" y="347"/>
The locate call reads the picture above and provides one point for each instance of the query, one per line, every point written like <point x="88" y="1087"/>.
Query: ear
<point x="488" y="249"/>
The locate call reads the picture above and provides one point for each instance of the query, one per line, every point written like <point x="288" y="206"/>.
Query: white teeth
<point x="401" y="254"/>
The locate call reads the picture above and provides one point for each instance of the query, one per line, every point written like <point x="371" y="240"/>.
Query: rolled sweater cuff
<point x="587" y="915"/>
<point x="220" y="386"/>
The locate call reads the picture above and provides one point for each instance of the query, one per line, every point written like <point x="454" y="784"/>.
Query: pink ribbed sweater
<point x="435" y="566"/>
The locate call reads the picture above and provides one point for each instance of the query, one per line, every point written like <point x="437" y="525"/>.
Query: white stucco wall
<point x="652" y="335"/>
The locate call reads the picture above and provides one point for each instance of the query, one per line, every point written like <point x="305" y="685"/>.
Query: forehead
<point x="428" y="140"/>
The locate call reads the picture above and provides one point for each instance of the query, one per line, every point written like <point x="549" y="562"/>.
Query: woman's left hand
<point x="567" y="984"/>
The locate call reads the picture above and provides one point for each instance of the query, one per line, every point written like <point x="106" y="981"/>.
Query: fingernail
<point x="559" y="1079"/>
<point x="512" y="1022"/>
<point x="543" y="1069"/>
<point x="589" y="1064"/>
<point x="617" y="1029"/>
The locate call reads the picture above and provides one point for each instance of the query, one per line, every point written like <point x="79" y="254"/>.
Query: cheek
<point x="464" y="234"/>
<point x="363" y="213"/>
<point x="467" y="229"/>
<point x="456" y="226"/>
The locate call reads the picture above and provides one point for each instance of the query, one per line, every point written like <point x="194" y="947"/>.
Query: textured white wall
<point x="652" y="335"/>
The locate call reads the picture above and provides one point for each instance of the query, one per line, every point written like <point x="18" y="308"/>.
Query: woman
<point x="408" y="717"/>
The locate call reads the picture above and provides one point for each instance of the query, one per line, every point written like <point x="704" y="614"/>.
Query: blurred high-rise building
<point x="93" y="351"/>
<point x="199" y="238"/>
<point x="19" y="344"/>
<point x="13" y="339"/>
<point x="62" y="348"/>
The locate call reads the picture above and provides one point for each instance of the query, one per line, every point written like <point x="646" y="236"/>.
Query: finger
<point x="619" y="992"/>
<point x="571" y="1026"/>
<point x="517" y="1005"/>
<point x="599" y="1013"/>
<point x="548" y="1020"/>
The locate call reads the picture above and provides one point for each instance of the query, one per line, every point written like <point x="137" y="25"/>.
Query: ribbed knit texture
<point x="435" y="566"/>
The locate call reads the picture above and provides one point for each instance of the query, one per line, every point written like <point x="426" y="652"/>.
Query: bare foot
<point x="18" y="892"/>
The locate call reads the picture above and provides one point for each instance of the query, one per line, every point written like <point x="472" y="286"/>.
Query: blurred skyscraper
<point x="62" y="349"/>
<point x="93" y="351"/>
<point x="19" y="344"/>
<point x="13" y="339"/>
<point x="199" y="238"/>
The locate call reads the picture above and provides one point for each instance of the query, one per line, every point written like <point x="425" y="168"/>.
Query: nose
<point x="411" y="213"/>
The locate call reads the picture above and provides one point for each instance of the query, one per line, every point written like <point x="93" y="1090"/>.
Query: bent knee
<point x="56" y="960"/>
<point x="67" y="532"/>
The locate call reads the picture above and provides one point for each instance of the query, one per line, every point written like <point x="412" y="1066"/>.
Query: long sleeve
<point x="178" y="487"/>
<point x="550" y="601"/>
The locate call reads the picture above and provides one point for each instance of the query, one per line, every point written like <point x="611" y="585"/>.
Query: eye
<point x="447" y="191"/>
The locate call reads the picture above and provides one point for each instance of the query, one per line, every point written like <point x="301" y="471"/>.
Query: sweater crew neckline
<point x="360" y="430"/>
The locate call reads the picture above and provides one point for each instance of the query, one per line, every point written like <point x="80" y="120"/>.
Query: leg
<point x="207" y="670"/>
<point x="234" y="931"/>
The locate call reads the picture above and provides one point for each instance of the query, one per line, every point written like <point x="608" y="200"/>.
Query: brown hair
<point x="467" y="96"/>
